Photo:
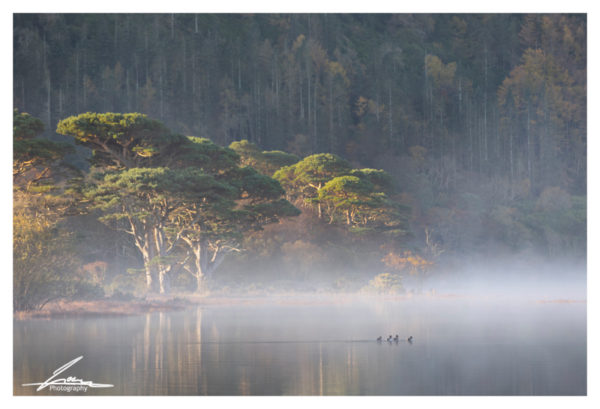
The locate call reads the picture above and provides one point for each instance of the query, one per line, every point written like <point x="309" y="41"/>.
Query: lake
<point x="317" y="346"/>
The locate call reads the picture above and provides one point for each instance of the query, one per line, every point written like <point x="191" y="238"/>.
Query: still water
<point x="460" y="347"/>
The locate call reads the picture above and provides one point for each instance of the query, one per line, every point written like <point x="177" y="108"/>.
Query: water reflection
<point x="316" y="350"/>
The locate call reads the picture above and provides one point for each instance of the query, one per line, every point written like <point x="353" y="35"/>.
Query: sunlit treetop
<point x="313" y="171"/>
<point x="321" y="167"/>
<point x="275" y="160"/>
<point x="140" y="191"/>
<point x="26" y="126"/>
<point x="205" y="154"/>
<point x="254" y="186"/>
<point x="245" y="148"/>
<point x="348" y="186"/>
<point x="349" y="193"/>
<point x="266" y="162"/>
<point x="125" y="140"/>
<point x="362" y="204"/>
<point x="33" y="152"/>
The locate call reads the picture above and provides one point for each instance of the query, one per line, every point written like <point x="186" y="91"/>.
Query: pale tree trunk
<point x="319" y="207"/>
<point x="331" y="212"/>
<point x="164" y="280"/>
<point x="144" y="242"/>
<point x="200" y="264"/>
<point x="162" y="269"/>
<point x="206" y="261"/>
<point x="151" y="274"/>
<point x="150" y="278"/>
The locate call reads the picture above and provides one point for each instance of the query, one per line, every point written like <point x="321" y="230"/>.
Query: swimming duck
<point x="379" y="339"/>
<point x="396" y="338"/>
<point x="389" y="339"/>
<point x="410" y="339"/>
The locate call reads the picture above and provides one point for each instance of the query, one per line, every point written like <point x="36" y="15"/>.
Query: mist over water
<point x="514" y="277"/>
<point x="497" y="343"/>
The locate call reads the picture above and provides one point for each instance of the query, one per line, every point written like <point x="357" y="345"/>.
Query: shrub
<point x="386" y="283"/>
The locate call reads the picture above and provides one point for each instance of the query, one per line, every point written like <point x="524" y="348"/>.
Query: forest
<point x="167" y="153"/>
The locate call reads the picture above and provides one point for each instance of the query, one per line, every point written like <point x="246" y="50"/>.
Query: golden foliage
<point x="385" y="283"/>
<point x="43" y="260"/>
<point x="409" y="262"/>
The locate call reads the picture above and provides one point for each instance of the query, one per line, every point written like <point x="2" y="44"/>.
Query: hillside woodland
<point x="314" y="152"/>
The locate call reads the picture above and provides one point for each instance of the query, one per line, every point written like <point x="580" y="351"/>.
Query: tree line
<point x="497" y="95"/>
<point x="330" y="147"/>
<point x="185" y="202"/>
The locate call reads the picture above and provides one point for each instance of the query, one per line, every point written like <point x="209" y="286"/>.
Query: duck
<point x="379" y="339"/>
<point x="389" y="339"/>
<point x="410" y="339"/>
<point x="396" y="338"/>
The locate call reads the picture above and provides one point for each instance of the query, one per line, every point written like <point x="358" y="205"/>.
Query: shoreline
<point x="107" y="307"/>
<point x="99" y="308"/>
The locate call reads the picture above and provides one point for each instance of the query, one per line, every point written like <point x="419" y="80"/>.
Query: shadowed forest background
<point x="452" y="138"/>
